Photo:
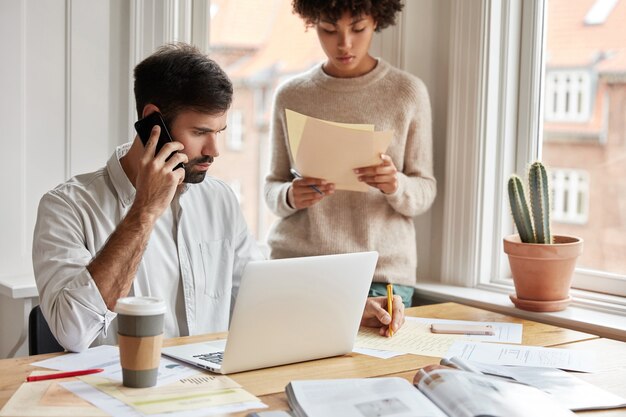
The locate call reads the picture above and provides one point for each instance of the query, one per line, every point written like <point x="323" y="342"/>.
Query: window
<point x="235" y="130"/>
<point x="258" y="44"/>
<point x="502" y="124"/>
<point x="570" y="196"/>
<point x="589" y="176"/>
<point x="567" y="96"/>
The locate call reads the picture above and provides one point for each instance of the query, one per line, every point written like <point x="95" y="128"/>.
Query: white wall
<point x="426" y="54"/>
<point x="63" y="109"/>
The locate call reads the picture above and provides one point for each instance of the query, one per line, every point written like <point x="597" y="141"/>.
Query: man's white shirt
<point x="194" y="259"/>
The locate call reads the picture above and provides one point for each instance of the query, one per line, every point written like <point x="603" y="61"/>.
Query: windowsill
<point x="602" y="323"/>
<point x="18" y="286"/>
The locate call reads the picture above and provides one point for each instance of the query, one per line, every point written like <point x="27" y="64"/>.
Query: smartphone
<point x="144" y="129"/>
<point x="449" y="328"/>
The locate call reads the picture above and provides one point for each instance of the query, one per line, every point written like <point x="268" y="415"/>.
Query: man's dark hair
<point x="383" y="11"/>
<point x="179" y="77"/>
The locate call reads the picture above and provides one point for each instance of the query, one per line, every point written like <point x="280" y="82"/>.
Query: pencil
<point x="390" y="306"/>
<point x="63" y="375"/>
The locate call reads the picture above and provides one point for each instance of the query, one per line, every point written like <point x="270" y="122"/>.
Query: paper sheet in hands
<point x="330" y="150"/>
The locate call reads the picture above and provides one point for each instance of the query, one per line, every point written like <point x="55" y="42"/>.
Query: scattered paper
<point x="381" y="354"/>
<point x="117" y="408"/>
<point x="413" y="337"/>
<point x="108" y="358"/>
<point x="504" y="332"/>
<point x="567" y="389"/>
<point x="206" y="391"/>
<point x="503" y="354"/>
<point x="47" y="399"/>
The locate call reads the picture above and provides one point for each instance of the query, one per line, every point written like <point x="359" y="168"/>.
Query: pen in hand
<point x="297" y="175"/>
<point x="63" y="375"/>
<point x="390" y="307"/>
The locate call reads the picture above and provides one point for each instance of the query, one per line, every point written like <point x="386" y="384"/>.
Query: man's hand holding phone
<point x="157" y="178"/>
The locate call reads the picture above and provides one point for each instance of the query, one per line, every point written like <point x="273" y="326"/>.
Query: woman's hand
<point x="375" y="314"/>
<point x="383" y="176"/>
<point x="304" y="192"/>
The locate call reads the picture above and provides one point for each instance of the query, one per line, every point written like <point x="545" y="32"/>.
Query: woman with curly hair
<point x="352" y="86"/>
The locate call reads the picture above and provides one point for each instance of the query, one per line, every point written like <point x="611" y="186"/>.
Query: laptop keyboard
<point x="213" y="357"/>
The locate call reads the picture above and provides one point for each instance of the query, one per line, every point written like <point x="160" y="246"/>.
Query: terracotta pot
<point x="542" y="274"/>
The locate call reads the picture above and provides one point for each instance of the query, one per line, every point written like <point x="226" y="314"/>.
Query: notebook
<point x="287" y="311"/>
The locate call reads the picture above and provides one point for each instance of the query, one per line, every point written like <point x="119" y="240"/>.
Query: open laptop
<point x="289" y="310"/>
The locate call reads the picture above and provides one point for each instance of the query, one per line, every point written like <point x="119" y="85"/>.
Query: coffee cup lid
<point x="140" y="306"/>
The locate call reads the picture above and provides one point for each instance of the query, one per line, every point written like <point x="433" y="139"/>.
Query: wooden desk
<point x="269" y="384"/>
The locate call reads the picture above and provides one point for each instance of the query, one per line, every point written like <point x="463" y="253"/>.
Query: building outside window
<point x="570" y="196"/>
<point x="585" y="127"/>
<point x="568" y="95"/>
<point x="259" y="44"/>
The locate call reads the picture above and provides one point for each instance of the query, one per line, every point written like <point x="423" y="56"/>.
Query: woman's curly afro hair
<point x="383" y="11"/>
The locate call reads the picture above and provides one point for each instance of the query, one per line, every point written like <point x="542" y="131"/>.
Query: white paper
<point x="503" y="354"/>
<point x="504" y="332"/>
<point x="119" y="409"/>
<point x="108" y="358"/>
<point x="465" y="394"/>
<point x="567" y="389"/>
<point x="381" y="354"/>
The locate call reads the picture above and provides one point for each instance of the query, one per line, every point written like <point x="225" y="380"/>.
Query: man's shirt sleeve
<point x="69" y="297"/>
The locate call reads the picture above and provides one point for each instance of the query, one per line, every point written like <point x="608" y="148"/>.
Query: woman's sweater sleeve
<point x="417" y="186"/>
<point x="278" y="180"/>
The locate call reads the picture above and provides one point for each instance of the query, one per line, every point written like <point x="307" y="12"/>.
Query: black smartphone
<point x="144" y="128"/>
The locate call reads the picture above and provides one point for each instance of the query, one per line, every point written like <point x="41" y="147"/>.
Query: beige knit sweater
<point x="349" y="221"/>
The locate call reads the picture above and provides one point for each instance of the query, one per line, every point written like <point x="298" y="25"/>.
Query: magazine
<point x="440" y="393"/>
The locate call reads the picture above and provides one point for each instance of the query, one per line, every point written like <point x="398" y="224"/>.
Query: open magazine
<point x="440" y="393"/>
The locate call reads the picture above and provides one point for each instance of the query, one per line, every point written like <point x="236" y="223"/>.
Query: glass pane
<point x="585" y="126"/>
<point x="259" y="44"/>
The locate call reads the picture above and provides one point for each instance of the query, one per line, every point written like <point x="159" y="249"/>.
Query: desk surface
<point x="269" y="384"/>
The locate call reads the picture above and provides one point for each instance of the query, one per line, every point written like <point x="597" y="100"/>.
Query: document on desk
<point x="413" y="337"/>
<point x="504" y="354"/>
<point x="330" y="150"/>
<point x="47" y="399"/>
<point x="108" y="358"/>
<point x="504" y="332"/>
<point x="200" y="391"/>
<point x="116" y="408"/>
<point x="569" y="390"/>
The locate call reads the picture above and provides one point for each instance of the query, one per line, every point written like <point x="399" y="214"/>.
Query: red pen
<point x="63" y="375"/>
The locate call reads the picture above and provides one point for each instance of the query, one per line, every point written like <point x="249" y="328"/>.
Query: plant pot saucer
<point x="540" y="306"/>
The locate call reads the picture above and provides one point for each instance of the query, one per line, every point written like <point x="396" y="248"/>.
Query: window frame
<point x="496" y="88"/>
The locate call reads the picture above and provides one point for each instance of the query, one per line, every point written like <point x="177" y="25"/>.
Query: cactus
<point x="537" y="228"/>
<point x="540" y="202"/>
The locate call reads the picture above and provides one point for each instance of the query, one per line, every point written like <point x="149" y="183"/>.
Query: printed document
<point x="118" y="409"/>
<point x="200" y="391"/>
<point x="569" y="390"/>
<point x="503" y="354"/>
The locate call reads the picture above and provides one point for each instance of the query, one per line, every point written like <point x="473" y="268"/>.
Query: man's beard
<point x="195" y="177"/>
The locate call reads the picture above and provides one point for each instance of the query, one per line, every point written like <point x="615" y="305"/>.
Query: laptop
<point x="287" y="311"/>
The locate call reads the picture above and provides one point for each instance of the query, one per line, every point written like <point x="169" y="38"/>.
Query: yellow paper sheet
<point x="48" y="398"/>
<point x="331" y="151"/>
<point x="295" y="127"/>
<point x="414" y="338"/>
<point x="203" y="392"/>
